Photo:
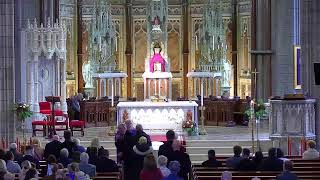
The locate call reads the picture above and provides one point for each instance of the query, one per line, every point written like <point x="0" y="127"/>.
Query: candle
<point x="252" y="108"/>
<point x="196" y="42"/>
<point x="213" y="42"/>
<point x="116" y="43"/>
<point x="112" y="93"/>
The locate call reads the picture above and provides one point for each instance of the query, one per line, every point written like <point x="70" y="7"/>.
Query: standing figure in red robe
<point x="157" y="60"/>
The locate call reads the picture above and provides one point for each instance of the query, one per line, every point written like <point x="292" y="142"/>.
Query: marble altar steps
<point x="198" y="149"/>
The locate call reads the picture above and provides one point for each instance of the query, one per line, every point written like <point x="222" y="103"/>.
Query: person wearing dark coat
<point x="257" y="159"/>
<point x="119" y="141"/>
<point x="287" y="174"/>
<point x="140" y="150"/>
<point x="129" y="142"/>
<point x="246" y="164"/>
<point x="104" y="164"/>
<point x="272" y="163"/>
<point x="183" y="158"/>
<point x="53" y="147"/>
<point x="212" y="161"/>
<point x="233" y="162"/>
<point x="68" y="143"/>
<point x="166" y="148"/>
<point x="140" y="133"/>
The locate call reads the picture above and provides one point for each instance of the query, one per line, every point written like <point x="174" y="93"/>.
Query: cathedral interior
<point x="194" y="49"/>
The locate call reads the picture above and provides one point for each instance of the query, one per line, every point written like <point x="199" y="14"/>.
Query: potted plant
<point x="23" y="112"/>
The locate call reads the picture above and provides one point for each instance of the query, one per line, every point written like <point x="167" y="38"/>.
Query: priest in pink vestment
<point x="157" y="58"/>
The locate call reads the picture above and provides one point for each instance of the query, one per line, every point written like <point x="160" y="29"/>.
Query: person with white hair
<point x="162" y="162"/>
<point x="76" y="173"/>
<point x="226" y="175"/>
<point x="78" y="147"/>
<point x="53" y="147"/>
<point x="85" y="166"/>
<point x="17" y="155"/>
<point x="4" y="173"/>
<point x="64" y="157"/>
<point x="25" y="166"/>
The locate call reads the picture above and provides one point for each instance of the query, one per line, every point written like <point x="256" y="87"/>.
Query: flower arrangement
<point x="22" y="110"/>
<point x="258" y="110"/>
<point x="189" y="125"/>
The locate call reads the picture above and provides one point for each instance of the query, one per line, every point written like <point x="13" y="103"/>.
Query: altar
<point x="158" y="115"/>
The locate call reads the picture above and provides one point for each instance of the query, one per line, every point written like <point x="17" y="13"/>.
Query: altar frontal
<point x="158" y="115"/>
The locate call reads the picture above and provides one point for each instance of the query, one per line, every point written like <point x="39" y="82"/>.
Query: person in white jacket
<point x="311" y="152"/>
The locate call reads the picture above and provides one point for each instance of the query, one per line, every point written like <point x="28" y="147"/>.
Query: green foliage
<point x="258" y="111"/>
<point x="22" y="110"/>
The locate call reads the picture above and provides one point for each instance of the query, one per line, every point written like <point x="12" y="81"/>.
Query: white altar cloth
<point x="109" y="75"/>
<point x="157" y="115"/>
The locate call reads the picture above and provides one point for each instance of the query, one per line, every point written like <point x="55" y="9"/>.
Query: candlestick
<point x="213" y="42"/>
<point x="201" y="92"/>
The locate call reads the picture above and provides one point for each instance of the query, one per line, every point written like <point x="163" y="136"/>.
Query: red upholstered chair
<point x="60" y="123"/>
<point x="43" y="123"/>
<point x="45" y="107"/>
<point x="77" y="125"/>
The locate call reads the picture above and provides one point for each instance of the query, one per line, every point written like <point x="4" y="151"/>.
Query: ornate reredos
<point x="157" y="17"/>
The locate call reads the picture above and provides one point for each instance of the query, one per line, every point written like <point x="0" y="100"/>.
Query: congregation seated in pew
<point x="174" y="167"/>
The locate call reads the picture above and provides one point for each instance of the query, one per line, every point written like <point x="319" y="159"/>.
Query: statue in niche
<point x="87" y="74"/>
<point x="226" y="73"/>
<point x="157" y="62"/>
<point x="156" y="24"/>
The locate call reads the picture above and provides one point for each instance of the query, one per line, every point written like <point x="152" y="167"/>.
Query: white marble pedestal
<point x="157" y="115"/>
<point x="294" y="119"/>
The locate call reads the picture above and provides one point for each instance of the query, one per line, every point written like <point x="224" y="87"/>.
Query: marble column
<point x="36" y="108"/>
<point x="128" y="51"/>
<point x="185" y="8"/>
<point x="63" y="85"/>
<point x="310" y="40"/>
<point x="58" y="77"/>
<point x="81" y="52"/>
<point x="282" y="41"/>
<point x="7" y="73"/>
<point x="261" y="48"/>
